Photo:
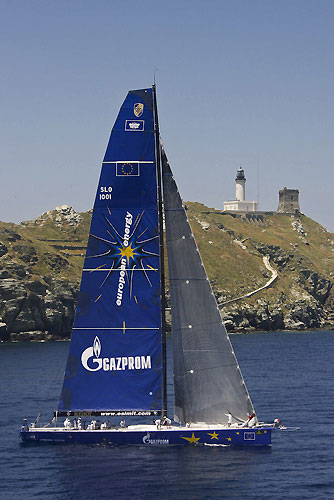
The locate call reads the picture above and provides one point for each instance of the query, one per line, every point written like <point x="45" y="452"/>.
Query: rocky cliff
<point x="40" y="268"/>
<point x="41" y="261"/>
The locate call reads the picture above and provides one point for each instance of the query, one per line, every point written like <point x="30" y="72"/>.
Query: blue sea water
<point x="289" y="375"/>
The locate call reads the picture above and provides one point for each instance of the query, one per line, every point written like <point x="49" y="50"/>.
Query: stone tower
<point x="288" y="201"/>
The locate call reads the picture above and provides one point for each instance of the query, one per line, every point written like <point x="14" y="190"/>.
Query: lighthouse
<point x="240" y="204"/>
<point x="240" y="185"/>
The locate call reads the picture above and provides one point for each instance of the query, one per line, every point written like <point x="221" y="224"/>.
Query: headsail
<point x="207" y="379"/>
<point x="114" y="364"/>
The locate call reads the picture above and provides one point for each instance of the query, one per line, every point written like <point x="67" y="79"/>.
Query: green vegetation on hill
<point x="41" y="263"/>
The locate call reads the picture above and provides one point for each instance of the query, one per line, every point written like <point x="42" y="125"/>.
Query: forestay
<point x="114" y="363"/>
<point x="207" y="379"/>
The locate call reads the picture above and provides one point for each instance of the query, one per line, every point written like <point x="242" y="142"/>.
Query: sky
<point x="239" y="82"/>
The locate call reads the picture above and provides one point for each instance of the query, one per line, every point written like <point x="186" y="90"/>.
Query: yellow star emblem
<point x="192" y="439"/>
<point x="127" y="252"/>
<point x="229" y="439"/>
<point x="213" y="435"/>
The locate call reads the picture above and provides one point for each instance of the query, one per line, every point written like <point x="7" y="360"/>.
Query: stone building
<point x="288" y="201"/>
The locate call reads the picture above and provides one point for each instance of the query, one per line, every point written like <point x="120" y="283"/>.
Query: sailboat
<point x="116" y="367"/>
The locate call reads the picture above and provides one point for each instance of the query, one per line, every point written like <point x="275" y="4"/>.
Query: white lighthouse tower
<point x="240" y="204"/>
<point x="240" y="185"/>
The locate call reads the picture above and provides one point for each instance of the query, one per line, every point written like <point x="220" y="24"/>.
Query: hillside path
<point x="274" y="276"/>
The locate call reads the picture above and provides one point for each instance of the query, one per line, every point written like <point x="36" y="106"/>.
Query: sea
<point x="289" y="376"/>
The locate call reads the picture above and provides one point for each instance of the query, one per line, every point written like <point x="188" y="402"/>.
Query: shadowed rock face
<point x="26" y="253"/>
<point x="32" y="307"/>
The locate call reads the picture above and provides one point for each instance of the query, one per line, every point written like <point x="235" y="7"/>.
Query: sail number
<point x="105" y="193"/>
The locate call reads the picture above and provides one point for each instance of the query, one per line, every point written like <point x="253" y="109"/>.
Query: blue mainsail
<point x="115" y="357"/>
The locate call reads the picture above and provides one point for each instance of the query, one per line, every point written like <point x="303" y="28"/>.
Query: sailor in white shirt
<point x="229" y="420"/>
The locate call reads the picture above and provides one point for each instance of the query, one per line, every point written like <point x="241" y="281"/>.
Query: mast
<point x="161" y="248"/>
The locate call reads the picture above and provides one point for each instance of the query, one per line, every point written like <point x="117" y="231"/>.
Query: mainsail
<point x="114" y="363"/>
<point x="207" y="379"/>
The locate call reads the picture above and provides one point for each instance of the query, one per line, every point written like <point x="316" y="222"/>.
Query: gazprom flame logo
<point x="90" y="352"/>
<point x="91" y="360"/>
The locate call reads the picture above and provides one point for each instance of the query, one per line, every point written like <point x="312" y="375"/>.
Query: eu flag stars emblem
<point x="127" y="169"/>
<point x="138" y="109"/>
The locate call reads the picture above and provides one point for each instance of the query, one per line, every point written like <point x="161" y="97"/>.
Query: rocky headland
<point x="41" y="262"/>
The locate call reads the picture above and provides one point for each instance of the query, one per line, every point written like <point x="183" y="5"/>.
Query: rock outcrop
<point x="40" y="264"/>
<point x="36" y="306"/>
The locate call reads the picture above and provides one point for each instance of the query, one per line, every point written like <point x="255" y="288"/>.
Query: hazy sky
<point x="239" y="82"/>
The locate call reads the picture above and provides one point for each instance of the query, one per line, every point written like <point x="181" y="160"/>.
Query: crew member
<point x="252" y="420"/>
<point x="67" y="423"/>
<point x="277" y="422"/>
<point x="229" y="419"/>
<point x="166" y="421"/>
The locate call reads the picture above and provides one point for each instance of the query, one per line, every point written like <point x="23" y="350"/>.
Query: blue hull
<point x="240" y="437"/>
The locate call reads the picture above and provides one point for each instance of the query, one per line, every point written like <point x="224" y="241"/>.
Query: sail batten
<point x="207" y="380"/>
